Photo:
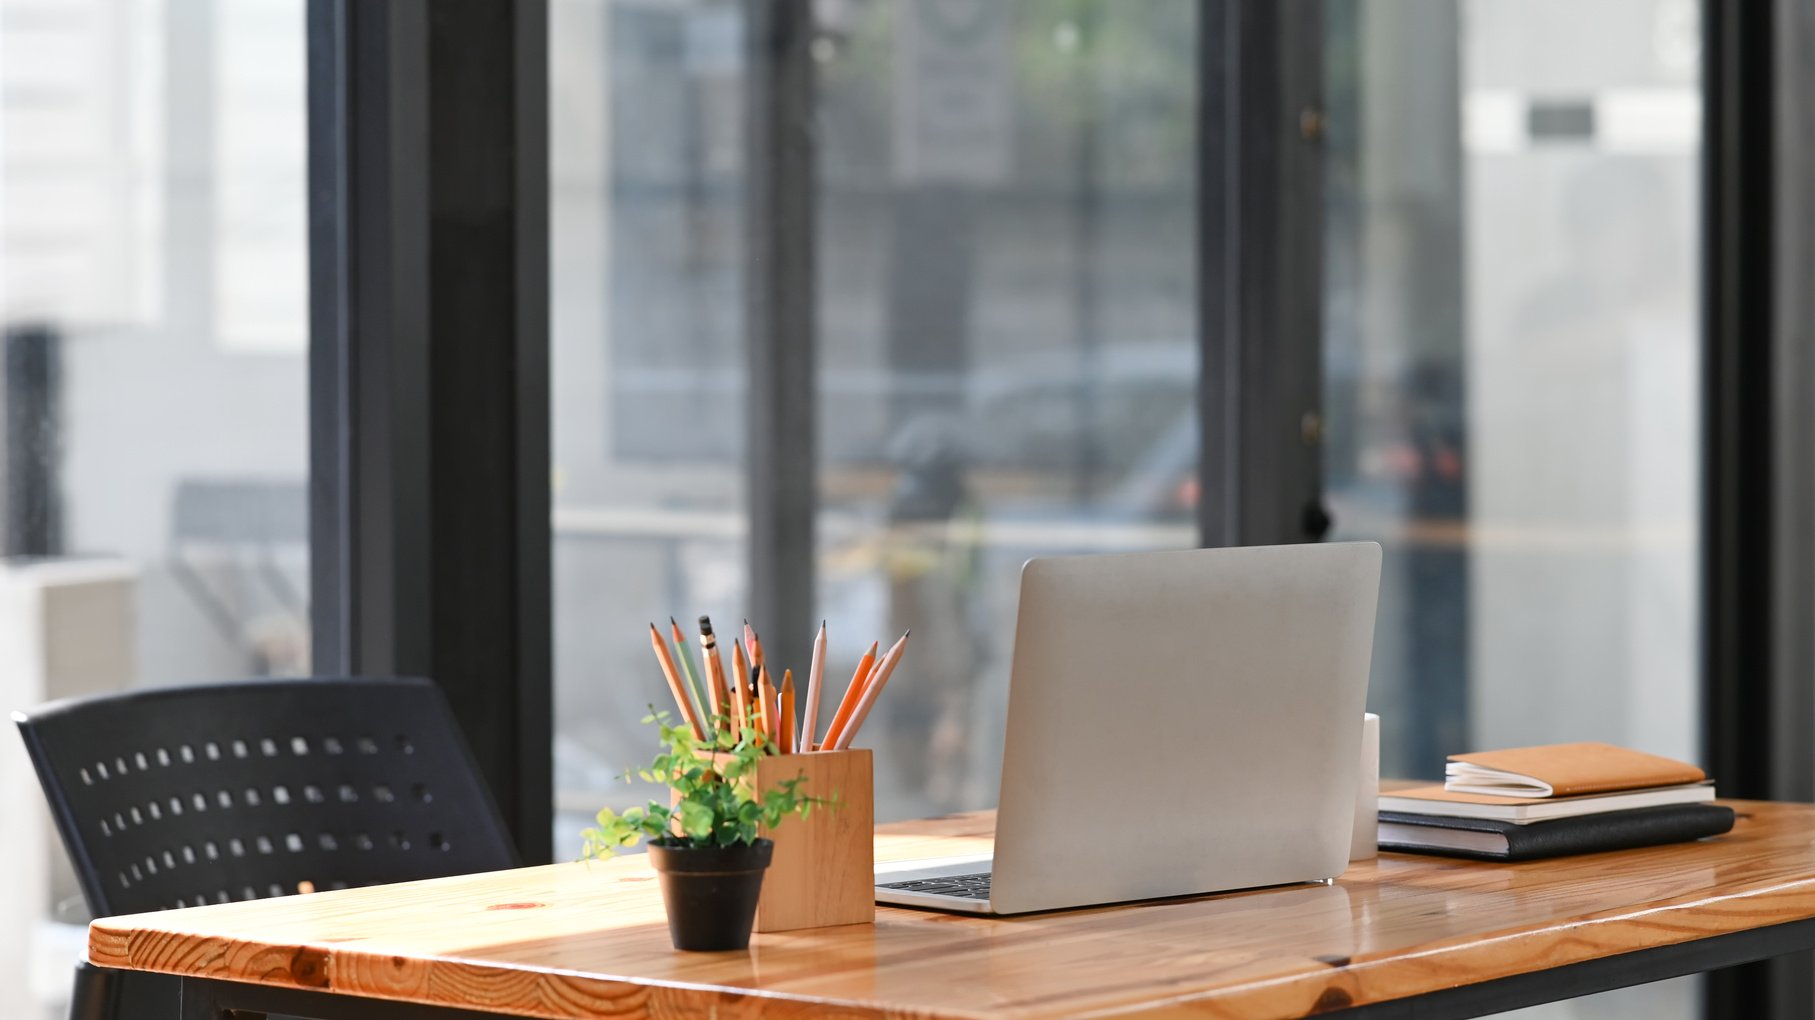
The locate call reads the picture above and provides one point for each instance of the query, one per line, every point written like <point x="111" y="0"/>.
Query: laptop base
<point x="913" y="883"/>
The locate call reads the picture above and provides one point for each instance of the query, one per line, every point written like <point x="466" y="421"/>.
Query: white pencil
<point x="870" y="692"/>
<point x="810" y="725"/>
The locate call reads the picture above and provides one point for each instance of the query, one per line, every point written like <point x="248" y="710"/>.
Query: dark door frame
<point x="1260" y="253"/>
<point x="429" y="439"/>
<point x="781" y="289"/>
<point x="1758" y="556"/>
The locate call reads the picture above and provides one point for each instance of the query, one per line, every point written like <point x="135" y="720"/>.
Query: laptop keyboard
<point x="966" y="887"/>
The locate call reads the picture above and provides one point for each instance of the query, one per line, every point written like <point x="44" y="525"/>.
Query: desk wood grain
<point x="576" y="940"/>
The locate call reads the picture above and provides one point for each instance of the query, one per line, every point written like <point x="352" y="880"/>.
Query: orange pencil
<point x="740" y="690"/>
<point x="714" y="666"/>
<point x="811" y="722"/>
<point x="786" y="739"/>
<point x="766" y="694"/>
<point x="675" y="687"/>
<point x="872" y="689"/>
<point x="851" y="696"/>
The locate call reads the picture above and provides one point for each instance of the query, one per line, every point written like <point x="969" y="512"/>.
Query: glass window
<point x="1513" y="375"/>
<point x="647" y="364"/>
<point x="153" y="281"/>
<point x="1007" y="329"/>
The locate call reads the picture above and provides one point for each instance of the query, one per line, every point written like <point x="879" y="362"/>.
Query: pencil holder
<point x="824" y="870"/>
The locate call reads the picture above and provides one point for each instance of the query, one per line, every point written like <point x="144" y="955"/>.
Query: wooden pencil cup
<point x="824" y="869"/>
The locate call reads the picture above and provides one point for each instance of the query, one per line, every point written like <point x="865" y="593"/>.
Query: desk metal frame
<point x="212" y="999"/>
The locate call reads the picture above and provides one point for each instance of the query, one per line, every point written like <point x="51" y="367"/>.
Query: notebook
<point x="1564" y="770"/>
<point x="1434" y="799"/>
<point x="1509" y="841"/>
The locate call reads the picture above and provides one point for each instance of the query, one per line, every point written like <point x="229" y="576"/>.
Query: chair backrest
<point x="177" y="796"/>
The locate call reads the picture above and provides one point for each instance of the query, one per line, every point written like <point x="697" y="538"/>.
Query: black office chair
<point x="180" y="796"/>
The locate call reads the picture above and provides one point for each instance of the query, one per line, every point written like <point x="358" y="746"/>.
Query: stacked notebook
<point x="1532" y="802"/>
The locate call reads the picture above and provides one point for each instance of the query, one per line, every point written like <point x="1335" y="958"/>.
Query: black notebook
<point x="1487" y="839"/>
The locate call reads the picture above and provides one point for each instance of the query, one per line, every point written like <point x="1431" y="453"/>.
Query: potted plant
<point x="705" y="846"/>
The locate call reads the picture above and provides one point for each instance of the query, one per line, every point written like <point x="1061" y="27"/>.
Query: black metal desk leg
<point x="207" y="999"/>
<point x="201" y="1000"/>
<point x="1588" y="977"/>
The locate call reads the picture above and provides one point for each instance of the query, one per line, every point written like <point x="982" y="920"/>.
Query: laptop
<point x="1178" y="723"/>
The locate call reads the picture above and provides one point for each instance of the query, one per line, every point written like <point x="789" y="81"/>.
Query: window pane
<point x="1008" y="327"/>
<point x="648" y="365"/>
<point x="1512" y="371"/>
<point x="1006" y="258"/>
<point x="153" y="278"/>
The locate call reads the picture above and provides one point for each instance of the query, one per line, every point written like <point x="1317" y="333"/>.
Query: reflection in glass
<point x="1008" y="339"/>
<point x="648" y="364"/>
<point x="1007" y="353"/>
<point x="1511" y="372"/>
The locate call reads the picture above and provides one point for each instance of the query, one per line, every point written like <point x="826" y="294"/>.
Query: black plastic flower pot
<point x="711" y="892"/>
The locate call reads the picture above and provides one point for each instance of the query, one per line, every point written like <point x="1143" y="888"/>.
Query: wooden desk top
<point x="572" y="940"/>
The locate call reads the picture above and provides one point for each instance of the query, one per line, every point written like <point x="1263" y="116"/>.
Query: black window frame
<point x="1758" y="435"/>
<point x="428" y="368"/>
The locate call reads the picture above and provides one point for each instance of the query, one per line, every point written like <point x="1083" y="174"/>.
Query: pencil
<point x="770" y="723"/>
<point x="673" y="677"/>
<point x="740" y="689"/>
<point x="872" y="689"/>
<point x="715" y="674"/>
<point x="684" y="653"/>
<point x="759" y="713"/>
<point x="849" y="702"/>
<point x="818" y="669"/>
<point x="755" y="644"/>
<point x="786" y="740"/>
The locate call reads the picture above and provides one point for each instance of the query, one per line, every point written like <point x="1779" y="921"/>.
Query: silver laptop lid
<point x="1183" y="722"/>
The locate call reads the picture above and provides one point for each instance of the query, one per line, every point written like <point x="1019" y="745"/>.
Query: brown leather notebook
<point x="1564" y="770"/>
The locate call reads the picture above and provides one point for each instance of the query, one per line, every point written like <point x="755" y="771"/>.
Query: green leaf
<point x="696" y="819"/>
<point x="716" y="803"/>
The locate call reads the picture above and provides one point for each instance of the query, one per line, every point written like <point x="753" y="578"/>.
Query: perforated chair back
<point x="178" y="796"/>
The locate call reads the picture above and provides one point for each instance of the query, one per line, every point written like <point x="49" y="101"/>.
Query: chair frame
<point x="179" y="796"/>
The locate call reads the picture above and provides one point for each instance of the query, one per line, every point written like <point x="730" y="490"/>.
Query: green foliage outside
<point x="717" y="805"/>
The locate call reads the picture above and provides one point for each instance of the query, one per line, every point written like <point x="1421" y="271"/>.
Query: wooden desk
<point x="1452" y="938"/>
